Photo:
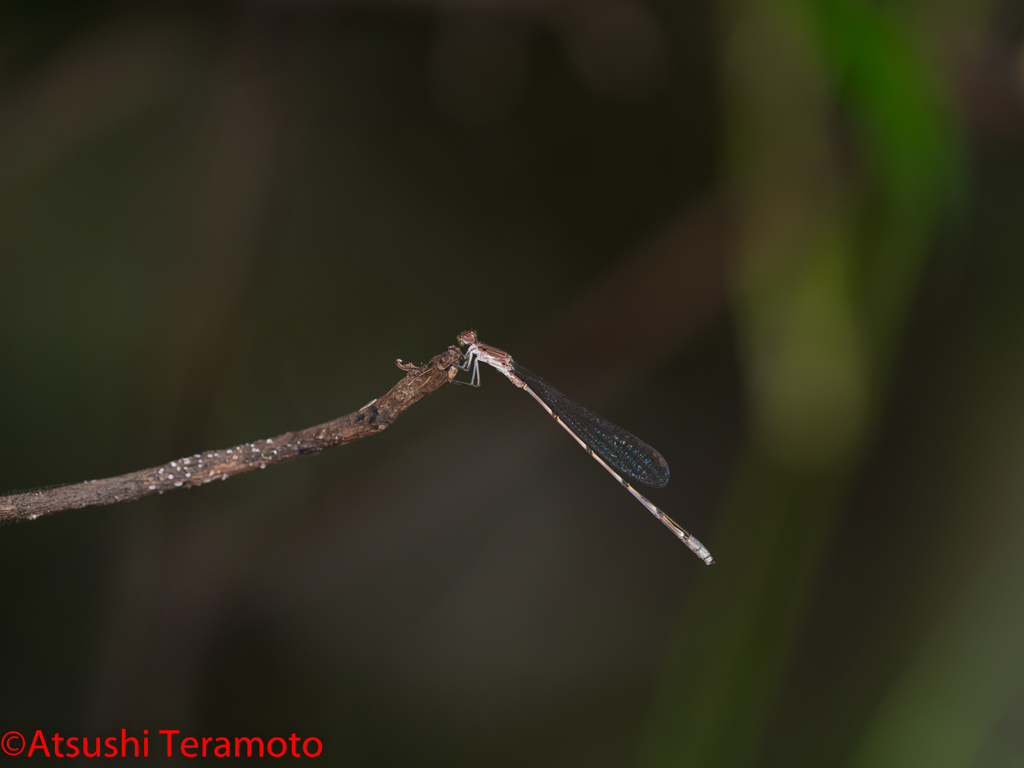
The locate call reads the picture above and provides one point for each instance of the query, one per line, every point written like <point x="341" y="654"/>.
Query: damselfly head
<point x="466" y="337"/>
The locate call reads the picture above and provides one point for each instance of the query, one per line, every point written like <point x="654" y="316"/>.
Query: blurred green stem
<point x="832" y="243"/>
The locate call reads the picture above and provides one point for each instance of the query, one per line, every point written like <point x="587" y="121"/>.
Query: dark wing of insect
<point x="618" y="448"/>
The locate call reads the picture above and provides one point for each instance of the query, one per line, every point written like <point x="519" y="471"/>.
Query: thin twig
<point x="205" y="467"/>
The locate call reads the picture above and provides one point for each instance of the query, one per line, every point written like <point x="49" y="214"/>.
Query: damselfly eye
<point x="467" y="337"/>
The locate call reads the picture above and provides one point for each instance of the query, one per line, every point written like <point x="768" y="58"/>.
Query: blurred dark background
<point x="781" y="242"/>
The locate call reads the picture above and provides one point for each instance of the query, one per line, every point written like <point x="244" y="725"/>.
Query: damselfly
<point x="611" y="446"/>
